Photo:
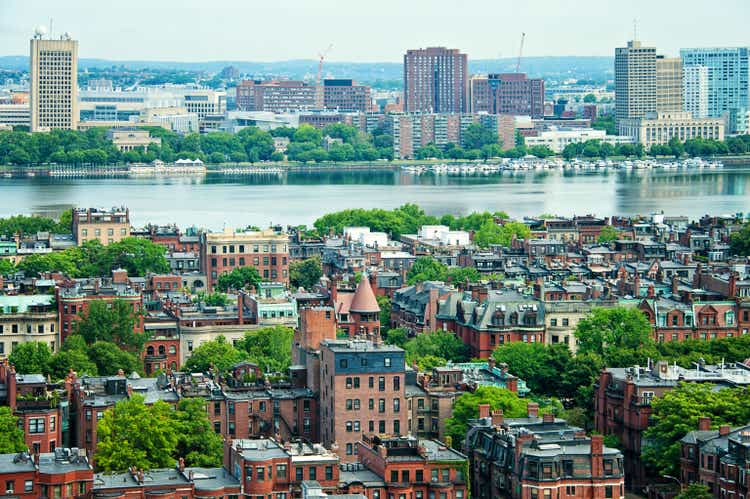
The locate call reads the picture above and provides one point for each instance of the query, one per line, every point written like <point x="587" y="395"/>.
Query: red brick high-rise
<point x="436" y="80"/>
<point x="511" y="93"/>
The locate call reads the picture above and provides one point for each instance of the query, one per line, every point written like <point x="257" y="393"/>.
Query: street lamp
<point x="679" y="482"/>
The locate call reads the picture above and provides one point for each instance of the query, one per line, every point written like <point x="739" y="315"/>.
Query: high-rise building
<point x="507" y="94"/>
<point x="668" y="84"/>
<point x="53" y="83"/>
<point x="280" y="96"/>
<point x="635" y="81"/>
<point x="436" y="80"/>
<point x="728" y="81"/>
<point x="695" y="90"/>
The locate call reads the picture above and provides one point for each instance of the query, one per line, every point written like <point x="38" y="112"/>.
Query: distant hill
<point x="594" y="68"/>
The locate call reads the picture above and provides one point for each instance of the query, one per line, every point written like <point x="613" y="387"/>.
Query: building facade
<point x="267" y="251"/>
<point x="660" y="128"/>
<point x="436" y="80"/>
<point x="635" y="81"/>
<point x="728" y="80"/>
<point x="105" y="226"/>
<point x="509" y="93"/>
<point x="53" y="80"/>
<point x="695" y="90"/>
<point x="668" y="84"/>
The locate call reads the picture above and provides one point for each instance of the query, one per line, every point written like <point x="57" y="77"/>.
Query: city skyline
<point x="303" y="29"/>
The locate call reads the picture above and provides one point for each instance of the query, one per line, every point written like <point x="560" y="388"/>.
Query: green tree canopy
<point x="109" y="359"/>
<point x="492" y="233"/>
<point x="11" y="436"/>
<point x="239" y="278"/>
<point x="197" y="442"/>
<point x="677" y="412"/>
<point x="466" y="407"/>
<point x="113" y="321"/>
<point x="269" y="347"/>
<point x="305" y="273"/>
<point x="608" y="234"/>
<point x="218" y="353"/>
<point x="441" y="344"/>
<point x="31" y="357"/>
<point x="609" y="331"/>
<point x="136" y="434"/>
<point x="695" y="491"/>
<point x="739" y="241"/>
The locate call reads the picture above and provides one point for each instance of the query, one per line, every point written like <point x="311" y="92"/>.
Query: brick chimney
<point x="548" y="418"/>
<point x="484" y="411"/>
<point x="241" y="307"/>
<point x="675" y="285"/>
<point x="724" y="430"/>
<point x="497" y="417"/>
<point x="181" y="464"/>
<point x="532" y="410"/>
<point x="597" y="450"/>
<point x="704" y="423"/>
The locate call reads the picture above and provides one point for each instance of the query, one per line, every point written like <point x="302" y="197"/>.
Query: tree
<point x="138" y="256"/>
<point x="476" y="136"/>
<point x="677" y="412"/>
<point x="385" y="312"/>
<point x="11" y="436"/>
<point x="532" y="362"/>
<point x="492" y="233"/>
<point x="695" y="491"/>
<point x="6" y="266"/>
<point x="466" y="407"/>
<point x="739" y="241"/>
<point x="110" y="359"/>
<point x="213" y="299"/>
<point x="78" y="361"/>
<point x="269" y="347"/>
<point x="426" y="268"/>
<point x="197" y="442"/>
<point x="305" y="273"/>
<point x="589" y="98"/>
<point x="31" y="357"/>
<point x="218" y="353"/>
<point x="112" y="321"/>
<point x="136" y="434"/>
<point x="239" y="278"/>
<point x="608" y="234"/>
<point x="397" y="336"/>
<point x="441" y="344"/>
<point x="609" y="330"/>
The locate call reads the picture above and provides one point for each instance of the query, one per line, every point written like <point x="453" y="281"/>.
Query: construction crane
<point x="520" y="53"/>
<point x="319" y="95"/>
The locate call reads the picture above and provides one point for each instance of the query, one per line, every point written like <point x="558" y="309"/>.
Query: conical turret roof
<point x="364" y="299"/>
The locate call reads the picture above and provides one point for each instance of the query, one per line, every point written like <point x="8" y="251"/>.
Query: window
<point x="381" y="383"/>
<point x="608" y="491"/>
<point x="348" y="382"/>
<point x="356" y="404"/>
<point x="396" y="427"/>
<point x="36" y="425"/>
<point x="349" y="449"/>
<point x="313" y="473"/>
<point x="396" y="383"/>
<point x="298" y="473"/>
<point x="570" y="490"/>
<point x="371" y="404"/>
<point x="356" y="382"/>
<point x="419" y="476"/>
<point x="343" y="363"/>
<point x="371" y="382"/>
<point x="52" y="423"/>
<point x="434" y="475"/>
<point x="28" y="486"/>
<point x="356" y="426"/>
<point x="445" y="474"/>
<point x="396" y="405"/>
<point x="381" y="405"/>
<point x="260" y="473"/>
<point x="381" y="426"/>
<point x="387" y="362"/>
<point x="10" y="486"/>
<point x="281" y="471"/>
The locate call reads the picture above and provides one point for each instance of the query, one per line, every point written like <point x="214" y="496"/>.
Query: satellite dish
<point x="40" y="31"/>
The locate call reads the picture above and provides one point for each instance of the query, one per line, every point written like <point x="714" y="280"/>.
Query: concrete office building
<point x="635" y="81"/>
<point x="728" y="81"/>
<point x="15" y="115"/>
<point x="53" y="83"/>
<point x="668" y="84"/>
<point x="695" y="90"/>
<point x="436" y="80"/>
<point x="660" y="128"/>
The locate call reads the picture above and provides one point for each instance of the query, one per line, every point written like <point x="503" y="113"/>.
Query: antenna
<point x="635" y="29"/>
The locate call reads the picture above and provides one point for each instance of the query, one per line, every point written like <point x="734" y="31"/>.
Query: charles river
<point x="215" y="201"/>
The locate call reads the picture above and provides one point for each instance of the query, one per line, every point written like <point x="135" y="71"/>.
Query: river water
<point x="215" y="200"/>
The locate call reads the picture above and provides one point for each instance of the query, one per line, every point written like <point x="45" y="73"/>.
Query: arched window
<point x="162" y="350"/>
<point x="150" y="350"/>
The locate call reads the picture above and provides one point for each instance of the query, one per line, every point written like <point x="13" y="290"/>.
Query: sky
<point x="373" y="31"/>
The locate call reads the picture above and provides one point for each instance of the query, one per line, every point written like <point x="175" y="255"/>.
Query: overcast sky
<point x="379" y="30"/>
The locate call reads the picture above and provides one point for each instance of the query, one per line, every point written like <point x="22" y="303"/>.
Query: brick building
<point x="539" y="457"/>
<point x="361" y="391"/>
<point x="280" y="96"/>
<point x="267" y="251"/>
<point x="412" y="467"/>
<point x="105" y="226"/>
<point x="509" y="93"/>
<point x="73" y="300"/>
<point x="436" y="80"/>
<point x="64" y="473"/>
<point x="623" y="396"/>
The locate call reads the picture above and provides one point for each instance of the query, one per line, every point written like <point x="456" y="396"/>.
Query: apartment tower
<point x="695" y="90"/>
<point x="53" y="95"/>
<point x="635" y="81"/>
<point x="436" y="80"/>
<point x="668" y="84"/>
